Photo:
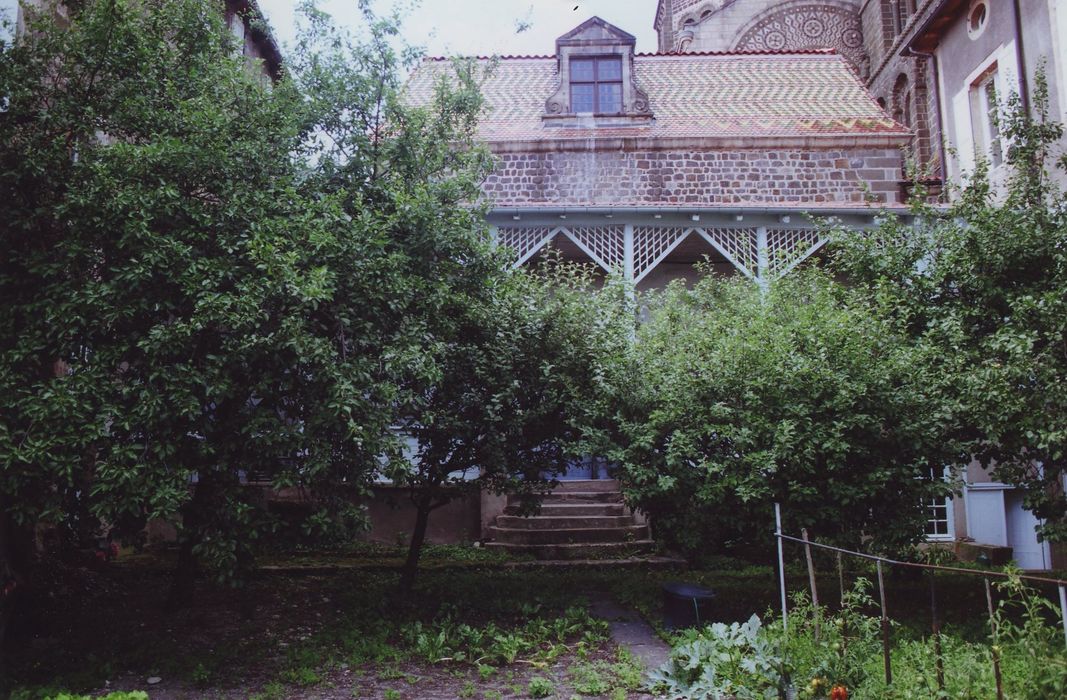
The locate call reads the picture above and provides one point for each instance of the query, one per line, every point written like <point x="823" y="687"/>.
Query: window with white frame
<point x="938" y="511"/>
<point x="985" y="126"/>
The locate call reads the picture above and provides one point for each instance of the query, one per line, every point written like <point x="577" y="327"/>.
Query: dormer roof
<point x="595" y="32"/>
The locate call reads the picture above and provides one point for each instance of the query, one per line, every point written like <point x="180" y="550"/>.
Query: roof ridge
<point x="656" y="54"/>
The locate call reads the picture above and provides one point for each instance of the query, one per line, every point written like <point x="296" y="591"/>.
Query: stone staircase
<point x="578" y="520"/>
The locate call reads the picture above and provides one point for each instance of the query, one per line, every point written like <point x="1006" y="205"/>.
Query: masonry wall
<point x="789" y="176"/>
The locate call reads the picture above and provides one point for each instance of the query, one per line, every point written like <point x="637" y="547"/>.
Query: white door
<point x="1027" y="552"/>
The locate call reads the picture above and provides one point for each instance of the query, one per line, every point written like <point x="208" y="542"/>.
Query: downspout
<point x="1020" y="57"/>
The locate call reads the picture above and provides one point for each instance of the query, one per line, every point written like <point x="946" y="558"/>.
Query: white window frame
<point x="950" y="514"/>
<point x="1003" y="61"/>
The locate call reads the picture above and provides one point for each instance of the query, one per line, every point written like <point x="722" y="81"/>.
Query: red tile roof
<point x="708" y="95"/>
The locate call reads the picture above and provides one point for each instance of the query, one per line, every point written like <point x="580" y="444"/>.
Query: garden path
<point x="631" y="632"/>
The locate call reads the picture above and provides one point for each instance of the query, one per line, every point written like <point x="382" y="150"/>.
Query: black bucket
<point x="686" y="605"/>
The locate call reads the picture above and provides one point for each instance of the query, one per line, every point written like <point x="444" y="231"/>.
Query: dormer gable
<point x="595" y="63"/>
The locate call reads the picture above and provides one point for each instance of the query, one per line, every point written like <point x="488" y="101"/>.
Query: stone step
<point x="588" y="485"/>
<point x="568" y="535"/>
<point x="570" y="552"/>
<point x="576" y="496"/>
<point x="557" y="522"/>
<point x="575" y="508"/>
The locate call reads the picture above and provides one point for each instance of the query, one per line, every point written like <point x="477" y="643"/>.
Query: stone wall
<point x="905" y="85"/>
<point x="789" y="176"/>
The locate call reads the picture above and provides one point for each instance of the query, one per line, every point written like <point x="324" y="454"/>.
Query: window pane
<point x="609" y="69"/>
<point x="582" y="70"/>
<point x="610" y="95"/>
<point x="582" y="98"/>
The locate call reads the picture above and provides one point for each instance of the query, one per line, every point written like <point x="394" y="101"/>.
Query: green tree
<point x="985" y="284"/>
<point x="521" y="387"/>
<point x="801" y="395"/>
<point x="506" y="368"/>
<point x="184" y="303"/>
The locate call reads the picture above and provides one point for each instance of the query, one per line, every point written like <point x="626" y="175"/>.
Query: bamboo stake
<point x="885" y="627"/>
<point x="996" y="647"/>
<point x="811" y="580"/>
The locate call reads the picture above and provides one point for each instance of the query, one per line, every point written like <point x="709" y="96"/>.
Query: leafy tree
<point x="506" y="370"/>
<point x="985" y="284"/>
<point x="184" y="303"/>
<point x="521" y="385"/>
<point x="801" y="396"/>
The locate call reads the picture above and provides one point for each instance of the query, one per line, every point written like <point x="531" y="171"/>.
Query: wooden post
<point x="885" y="628"/>
<point x="939" y="659"/>
<point x="996" y="647"/>
<point x="811" y="580"/>
<point x="841" y="578"/>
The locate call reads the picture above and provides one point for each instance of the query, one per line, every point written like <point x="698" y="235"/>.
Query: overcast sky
<point x="486" y="27"/>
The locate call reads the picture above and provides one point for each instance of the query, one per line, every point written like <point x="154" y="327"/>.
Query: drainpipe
<point x="1020" y="57"/>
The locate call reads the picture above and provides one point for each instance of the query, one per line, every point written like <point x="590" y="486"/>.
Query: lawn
<point x="328" y="625"/>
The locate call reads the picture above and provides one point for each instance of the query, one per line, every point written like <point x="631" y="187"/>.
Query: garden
<point x="214" y="288"/>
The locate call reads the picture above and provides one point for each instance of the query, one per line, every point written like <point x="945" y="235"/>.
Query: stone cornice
<point x="643" y="143"/>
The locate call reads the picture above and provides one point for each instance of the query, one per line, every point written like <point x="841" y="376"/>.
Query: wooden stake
<point x="811" y="580"/>
<point x="885" y="628"/>
<point x="939" y="659"/>
<point x="841" y="578"/>
<point x="996" y="647"/>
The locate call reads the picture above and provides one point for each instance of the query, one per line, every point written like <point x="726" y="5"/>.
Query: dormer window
<point x="596" y="85"/>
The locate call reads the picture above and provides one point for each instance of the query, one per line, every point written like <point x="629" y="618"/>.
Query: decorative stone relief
<point x="809" y="27"/>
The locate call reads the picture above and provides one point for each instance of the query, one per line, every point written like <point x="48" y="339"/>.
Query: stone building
<point x="751" y="120"/>
<point x="647" y="163"/>
<point x="243" y="17"/>
<point x="644" y="164"/>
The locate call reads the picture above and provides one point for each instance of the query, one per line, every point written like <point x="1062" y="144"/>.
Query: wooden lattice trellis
<point x="652" y="245"/>
<point x="738" y="245"/>
<point x="604" y="244"/>
<point x="787" y="248"/>
<point x="525" y="241"/>
<point x="607" y="246"/>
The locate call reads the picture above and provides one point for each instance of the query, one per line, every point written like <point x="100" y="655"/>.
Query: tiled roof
<point x="722" y="95"/>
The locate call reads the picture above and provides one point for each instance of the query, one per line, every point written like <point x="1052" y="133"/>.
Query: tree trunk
<point x="183" y="583"/>
<point x="16" y="554"/>
<point x="418" y="537"/>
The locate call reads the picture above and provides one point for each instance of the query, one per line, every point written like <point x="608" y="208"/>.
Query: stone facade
<point x="870" y="33"/>
<point x="713" y="177"/>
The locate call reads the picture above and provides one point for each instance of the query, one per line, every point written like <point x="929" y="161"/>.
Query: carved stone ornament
<point x="808" y="26"/>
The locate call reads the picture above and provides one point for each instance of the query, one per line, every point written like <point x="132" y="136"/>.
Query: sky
<point x="485" y="27"/>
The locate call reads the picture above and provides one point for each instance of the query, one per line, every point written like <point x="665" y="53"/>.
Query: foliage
<point x="185" y="303"/>
<point x="983" y="286"/>
<point x="539" y="687"/>
<point x="801" y="395"/>
<point x="521" y="385"/>
<point x="543" y="639"/>
<point x="752" y="660"/>
<point x="724" y="660"/>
